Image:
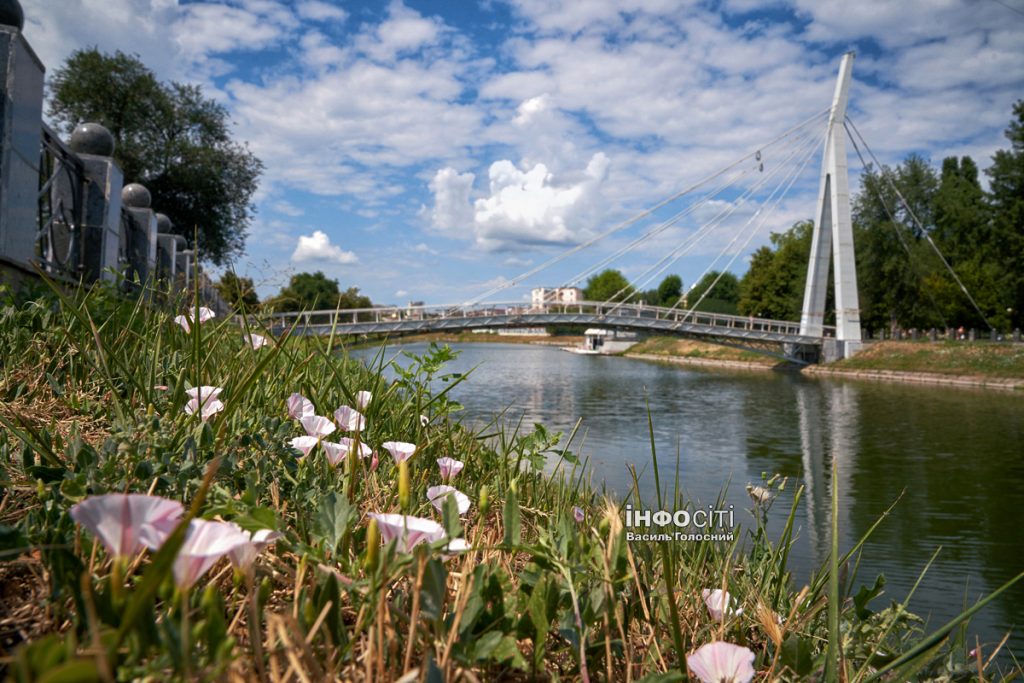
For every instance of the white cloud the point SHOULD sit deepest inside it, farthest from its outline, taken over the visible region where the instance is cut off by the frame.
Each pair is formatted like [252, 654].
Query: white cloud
[318, 247]
[523, 207]
[401, 293]
[287, 208]
[216, 28]
[317, 10]
[422, 248]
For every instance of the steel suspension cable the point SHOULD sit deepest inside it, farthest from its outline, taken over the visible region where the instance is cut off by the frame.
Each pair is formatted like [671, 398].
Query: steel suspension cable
[637, 217]
[913, 217]
[804, 147]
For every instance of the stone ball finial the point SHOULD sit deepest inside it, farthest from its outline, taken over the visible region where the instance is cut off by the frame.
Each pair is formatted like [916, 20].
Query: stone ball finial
[163, 223]
[135, 196]
[11, 14]
[91, 138]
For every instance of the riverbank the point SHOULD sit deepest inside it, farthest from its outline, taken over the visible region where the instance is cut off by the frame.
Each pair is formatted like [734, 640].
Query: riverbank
[956, 363]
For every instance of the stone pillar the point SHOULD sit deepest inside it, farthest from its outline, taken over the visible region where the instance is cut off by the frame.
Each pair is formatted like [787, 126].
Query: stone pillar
[140, 228]
[21, 119]
[972, 335]
[933, 335]
[101, 212]
[1016, 335]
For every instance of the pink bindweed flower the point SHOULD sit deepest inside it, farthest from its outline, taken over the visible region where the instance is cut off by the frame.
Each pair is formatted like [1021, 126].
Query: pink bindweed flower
[399, 450]
[304, 444]
[299, 407]
[118, 519]
[721, 662]
[204, 400]
[578, 514]
[336, 452]
[186, 320]
[256, 341]
[437, 494]
[363, 399]
[720, 604]
[374, 461]
[206, 541]
[407, 531]
[316, 425]
[349, 419]
[244, 554]
[449, 467]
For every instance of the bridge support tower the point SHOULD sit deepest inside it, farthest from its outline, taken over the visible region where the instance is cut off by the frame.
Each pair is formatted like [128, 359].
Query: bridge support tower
[833, 235]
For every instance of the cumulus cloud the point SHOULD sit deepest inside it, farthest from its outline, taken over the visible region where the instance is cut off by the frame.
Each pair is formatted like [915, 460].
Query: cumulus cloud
[523, 206]
[317, 10]
[318, 247]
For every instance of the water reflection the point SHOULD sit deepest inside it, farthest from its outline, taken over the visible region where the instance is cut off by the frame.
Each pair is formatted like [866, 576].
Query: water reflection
[954, 455]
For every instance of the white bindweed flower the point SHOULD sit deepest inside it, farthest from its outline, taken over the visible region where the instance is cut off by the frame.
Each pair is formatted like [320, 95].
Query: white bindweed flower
[399, 450]
[449, 467]
[349, 419]
[437, 494]
[245, 554]
[720, 604]
[304, 444]
[721, 662]
[203, 400]
[317, 425]
[299, 407]
[206, 542]
[407, 531]
[578, 514]
[424, 420]
[336, 452]
[118, 519]
[256, 341]
[363, 399]
[186, 320]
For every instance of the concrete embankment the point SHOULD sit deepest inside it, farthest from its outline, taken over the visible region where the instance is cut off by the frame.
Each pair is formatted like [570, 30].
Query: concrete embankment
[705, 362]
[1008, 383]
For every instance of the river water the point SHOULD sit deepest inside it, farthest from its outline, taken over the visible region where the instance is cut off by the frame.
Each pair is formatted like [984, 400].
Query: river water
[956, 456]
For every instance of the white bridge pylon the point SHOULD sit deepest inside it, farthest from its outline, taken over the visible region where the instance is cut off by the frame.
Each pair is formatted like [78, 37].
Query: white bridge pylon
[833, 233]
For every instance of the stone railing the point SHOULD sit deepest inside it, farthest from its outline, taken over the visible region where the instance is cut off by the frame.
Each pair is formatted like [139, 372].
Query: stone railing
[64, 207]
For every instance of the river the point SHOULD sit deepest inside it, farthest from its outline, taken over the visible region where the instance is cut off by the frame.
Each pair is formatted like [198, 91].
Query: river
[956, 456]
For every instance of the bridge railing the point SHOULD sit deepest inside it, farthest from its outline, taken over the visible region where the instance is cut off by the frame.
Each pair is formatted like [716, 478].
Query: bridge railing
[482, 315]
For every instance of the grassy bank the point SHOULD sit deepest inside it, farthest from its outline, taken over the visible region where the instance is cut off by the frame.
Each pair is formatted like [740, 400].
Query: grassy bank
[674, 347]
[981, 359]
[535, 580]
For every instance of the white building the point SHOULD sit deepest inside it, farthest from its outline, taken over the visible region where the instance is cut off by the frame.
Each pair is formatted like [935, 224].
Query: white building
[555, 295]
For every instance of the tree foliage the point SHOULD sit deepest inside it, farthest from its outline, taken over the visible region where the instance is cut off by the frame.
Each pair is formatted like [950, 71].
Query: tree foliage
[170, 138]
[723, 296]
[238, 292]
[608, 285]
[773, 286]
[316, 291]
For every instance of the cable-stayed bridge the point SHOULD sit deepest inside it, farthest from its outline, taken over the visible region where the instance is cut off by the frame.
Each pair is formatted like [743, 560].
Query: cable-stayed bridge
[752, 187]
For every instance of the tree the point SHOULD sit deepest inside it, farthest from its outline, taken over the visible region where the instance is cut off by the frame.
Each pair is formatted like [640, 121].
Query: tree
[608, 285]
[669, 291]
[773, 286]
[238, 292]
[722, 298]
[307, 292]
[1006, 201]
[170, 138]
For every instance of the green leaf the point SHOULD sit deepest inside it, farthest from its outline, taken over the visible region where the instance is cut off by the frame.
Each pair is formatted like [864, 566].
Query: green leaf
[864, 596]
[513, 530]
[433, 591]
[797, 654]
[77, 671]
[331, 521]
[12, 542]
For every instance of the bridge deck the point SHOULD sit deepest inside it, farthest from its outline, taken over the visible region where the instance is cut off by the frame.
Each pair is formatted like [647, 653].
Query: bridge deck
[635, 317]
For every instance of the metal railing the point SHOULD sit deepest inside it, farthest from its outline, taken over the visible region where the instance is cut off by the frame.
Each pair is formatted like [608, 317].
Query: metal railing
[59, 247]
[621, 315]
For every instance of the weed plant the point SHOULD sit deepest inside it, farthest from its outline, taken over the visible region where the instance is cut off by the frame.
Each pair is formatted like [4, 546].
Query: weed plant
[94, 389]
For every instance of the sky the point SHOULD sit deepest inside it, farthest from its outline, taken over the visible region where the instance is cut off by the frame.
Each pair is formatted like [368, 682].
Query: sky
[437, 150]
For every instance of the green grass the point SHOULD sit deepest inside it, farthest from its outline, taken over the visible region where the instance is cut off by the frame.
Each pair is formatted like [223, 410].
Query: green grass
[984, 359]
[538, 597]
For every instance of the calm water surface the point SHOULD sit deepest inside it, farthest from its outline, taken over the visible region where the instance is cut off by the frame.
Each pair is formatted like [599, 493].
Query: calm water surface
[955, 455]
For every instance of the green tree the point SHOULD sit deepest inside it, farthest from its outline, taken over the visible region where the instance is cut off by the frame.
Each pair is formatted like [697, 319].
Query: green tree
[669, 291]
[307, 292]
[170, 138]
[238, 292]
[773, 286]
[723, 298]
[608, 285]
[351, 298]
[1006, 201]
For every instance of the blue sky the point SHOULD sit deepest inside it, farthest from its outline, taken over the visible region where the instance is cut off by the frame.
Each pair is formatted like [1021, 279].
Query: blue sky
[433, 150]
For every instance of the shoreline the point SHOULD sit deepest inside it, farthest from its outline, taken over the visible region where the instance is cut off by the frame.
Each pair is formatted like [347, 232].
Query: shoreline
[975, 381]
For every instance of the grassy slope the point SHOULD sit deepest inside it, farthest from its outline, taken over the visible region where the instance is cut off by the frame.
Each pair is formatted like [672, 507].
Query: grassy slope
[688, 348]
[945, 358]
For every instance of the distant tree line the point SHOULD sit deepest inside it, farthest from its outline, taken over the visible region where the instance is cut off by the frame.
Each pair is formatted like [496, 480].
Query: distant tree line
[902, 281]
